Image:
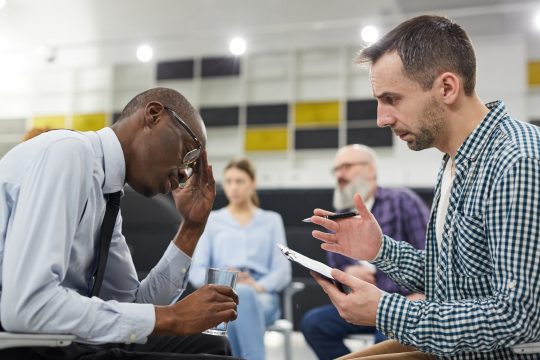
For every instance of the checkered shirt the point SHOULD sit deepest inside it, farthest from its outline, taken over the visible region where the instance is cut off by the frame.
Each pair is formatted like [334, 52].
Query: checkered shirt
[483, 285]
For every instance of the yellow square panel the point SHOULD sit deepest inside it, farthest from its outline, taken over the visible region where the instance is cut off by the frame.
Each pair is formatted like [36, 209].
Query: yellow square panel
[316, 114]
[51, 122]
[534, 73]
[266, 139]
[89, 122]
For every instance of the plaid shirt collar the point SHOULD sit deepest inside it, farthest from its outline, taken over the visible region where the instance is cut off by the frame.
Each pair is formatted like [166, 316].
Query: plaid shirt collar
[474, 144]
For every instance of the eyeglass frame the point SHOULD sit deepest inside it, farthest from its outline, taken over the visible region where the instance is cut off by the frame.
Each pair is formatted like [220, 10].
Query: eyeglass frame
[189, 163]
[347, 165]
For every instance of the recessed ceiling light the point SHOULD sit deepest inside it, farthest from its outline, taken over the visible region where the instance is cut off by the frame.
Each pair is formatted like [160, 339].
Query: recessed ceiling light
[369, 34]
[237, 46]
[145, 53]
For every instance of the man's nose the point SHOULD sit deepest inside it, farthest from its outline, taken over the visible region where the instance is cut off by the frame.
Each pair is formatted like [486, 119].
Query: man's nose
[339, 172]
[384, 116]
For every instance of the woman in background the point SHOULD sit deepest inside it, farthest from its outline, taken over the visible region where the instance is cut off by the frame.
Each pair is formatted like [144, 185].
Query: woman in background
[33, 132]
[244, 237]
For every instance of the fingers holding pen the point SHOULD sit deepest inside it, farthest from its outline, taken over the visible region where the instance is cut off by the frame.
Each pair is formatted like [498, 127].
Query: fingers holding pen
[322, 212]
[324, 222]
[324, 236]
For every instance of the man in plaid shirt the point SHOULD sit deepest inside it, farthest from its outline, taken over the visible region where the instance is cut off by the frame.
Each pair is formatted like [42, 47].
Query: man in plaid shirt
[480, 270]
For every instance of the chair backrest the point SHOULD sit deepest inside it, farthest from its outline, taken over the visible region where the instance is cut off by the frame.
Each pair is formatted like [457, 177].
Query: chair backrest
[149, 225]
[9, 340]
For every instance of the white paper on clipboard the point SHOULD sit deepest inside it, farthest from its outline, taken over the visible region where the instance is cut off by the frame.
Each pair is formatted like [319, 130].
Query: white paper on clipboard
[309, 263]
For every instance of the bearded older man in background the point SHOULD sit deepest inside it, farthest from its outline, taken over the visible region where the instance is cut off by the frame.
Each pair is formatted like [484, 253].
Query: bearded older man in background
[401, 214]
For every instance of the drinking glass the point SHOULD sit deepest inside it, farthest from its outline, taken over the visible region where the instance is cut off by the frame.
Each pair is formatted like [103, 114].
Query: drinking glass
[220, 277]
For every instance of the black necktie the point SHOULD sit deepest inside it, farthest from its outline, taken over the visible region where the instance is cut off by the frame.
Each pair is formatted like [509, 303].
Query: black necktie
[107, 227]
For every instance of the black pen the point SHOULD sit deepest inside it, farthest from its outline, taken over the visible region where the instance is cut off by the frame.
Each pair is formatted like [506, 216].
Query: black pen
[335, 216]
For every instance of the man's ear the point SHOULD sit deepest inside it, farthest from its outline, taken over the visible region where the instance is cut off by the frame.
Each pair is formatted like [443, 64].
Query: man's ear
[450, 86]
[152, 113]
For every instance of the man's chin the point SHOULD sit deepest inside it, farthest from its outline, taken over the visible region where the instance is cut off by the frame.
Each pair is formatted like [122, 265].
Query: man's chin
[414, 146]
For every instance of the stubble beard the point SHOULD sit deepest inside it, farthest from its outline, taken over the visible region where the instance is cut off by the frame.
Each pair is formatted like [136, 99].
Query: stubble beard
[431, 126]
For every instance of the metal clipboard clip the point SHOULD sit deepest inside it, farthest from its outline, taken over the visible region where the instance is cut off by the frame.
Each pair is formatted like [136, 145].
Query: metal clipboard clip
[287, 252]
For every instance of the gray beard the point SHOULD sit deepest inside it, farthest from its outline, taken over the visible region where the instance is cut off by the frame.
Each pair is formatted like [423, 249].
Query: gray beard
[343, 197]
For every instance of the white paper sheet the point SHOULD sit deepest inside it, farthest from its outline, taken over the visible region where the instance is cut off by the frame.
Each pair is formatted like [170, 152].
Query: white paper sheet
[307, 262]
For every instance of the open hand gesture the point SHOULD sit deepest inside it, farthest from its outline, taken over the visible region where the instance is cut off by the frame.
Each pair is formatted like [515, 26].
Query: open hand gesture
[358, 237]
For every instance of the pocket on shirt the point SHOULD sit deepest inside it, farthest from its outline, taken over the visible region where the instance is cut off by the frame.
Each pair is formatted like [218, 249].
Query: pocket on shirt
[471, 257]
[467, 287]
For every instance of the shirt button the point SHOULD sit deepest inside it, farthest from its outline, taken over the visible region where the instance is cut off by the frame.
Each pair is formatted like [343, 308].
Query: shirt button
[183, 271]
[512, 284]
[391, 334]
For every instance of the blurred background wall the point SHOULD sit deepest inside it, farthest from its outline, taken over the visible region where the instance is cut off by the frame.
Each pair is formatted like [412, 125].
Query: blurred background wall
[288, 102]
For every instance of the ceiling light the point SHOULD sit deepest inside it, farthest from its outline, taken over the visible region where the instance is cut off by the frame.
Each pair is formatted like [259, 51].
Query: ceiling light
[145, 53]
[237, 46]
[370, 34]
[2, 3]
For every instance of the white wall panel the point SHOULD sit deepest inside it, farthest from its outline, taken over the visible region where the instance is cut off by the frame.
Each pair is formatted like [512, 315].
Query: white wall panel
[53, 81]
[264, 66]
[220, 91]
[268, 91]
[52, 104]
[133, 76]
[91, 102]
[93, 79]
[319, 88]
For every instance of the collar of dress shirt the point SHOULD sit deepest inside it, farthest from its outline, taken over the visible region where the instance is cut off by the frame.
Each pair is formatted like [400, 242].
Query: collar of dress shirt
[113, 160]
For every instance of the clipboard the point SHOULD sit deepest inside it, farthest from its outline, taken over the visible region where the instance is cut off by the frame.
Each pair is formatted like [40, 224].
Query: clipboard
[313, 265]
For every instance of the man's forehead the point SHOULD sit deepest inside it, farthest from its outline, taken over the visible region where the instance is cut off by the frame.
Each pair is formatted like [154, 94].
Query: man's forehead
[385, 73]
[350, 155]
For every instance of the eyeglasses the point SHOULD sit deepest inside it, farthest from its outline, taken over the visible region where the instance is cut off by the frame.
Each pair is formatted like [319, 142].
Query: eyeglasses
[347, 166]
[190, 159]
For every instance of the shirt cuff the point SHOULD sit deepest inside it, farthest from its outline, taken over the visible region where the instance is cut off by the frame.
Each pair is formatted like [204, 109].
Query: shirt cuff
[138, 322]
[393, 314]
[174, 265]
[381, 250]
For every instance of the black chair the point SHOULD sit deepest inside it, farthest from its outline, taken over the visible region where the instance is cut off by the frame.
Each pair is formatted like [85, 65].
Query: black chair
[149, 225]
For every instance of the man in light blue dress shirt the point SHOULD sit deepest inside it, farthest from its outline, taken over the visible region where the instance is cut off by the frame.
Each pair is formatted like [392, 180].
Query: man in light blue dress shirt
[53, 191]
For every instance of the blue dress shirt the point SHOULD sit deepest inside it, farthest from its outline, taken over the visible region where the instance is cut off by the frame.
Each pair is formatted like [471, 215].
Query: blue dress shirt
[52, 204]
[225, 244]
